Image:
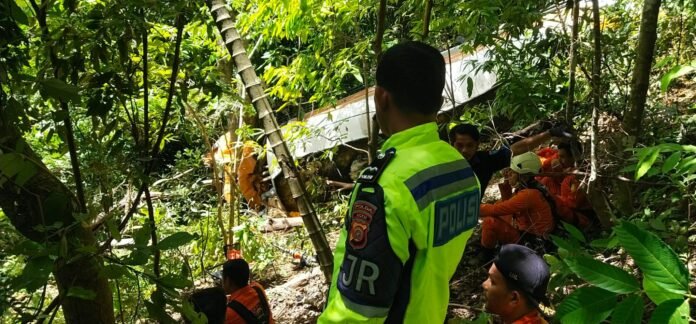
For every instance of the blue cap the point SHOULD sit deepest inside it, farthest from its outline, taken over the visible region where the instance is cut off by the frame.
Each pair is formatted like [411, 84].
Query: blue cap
[525, 271]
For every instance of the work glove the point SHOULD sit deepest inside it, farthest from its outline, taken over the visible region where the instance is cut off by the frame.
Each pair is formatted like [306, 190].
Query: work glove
[560, 131]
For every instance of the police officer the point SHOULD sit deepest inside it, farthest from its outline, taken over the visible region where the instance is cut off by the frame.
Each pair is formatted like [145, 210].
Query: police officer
[411, 211]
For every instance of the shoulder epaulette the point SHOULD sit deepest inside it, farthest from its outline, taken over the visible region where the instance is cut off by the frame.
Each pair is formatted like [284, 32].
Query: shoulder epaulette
[371, 173]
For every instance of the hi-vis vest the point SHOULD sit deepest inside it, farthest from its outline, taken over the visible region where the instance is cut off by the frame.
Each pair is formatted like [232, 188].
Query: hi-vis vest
[411, 213]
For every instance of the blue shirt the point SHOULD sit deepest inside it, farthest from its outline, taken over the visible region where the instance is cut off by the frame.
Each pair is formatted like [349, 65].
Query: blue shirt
[486, 163]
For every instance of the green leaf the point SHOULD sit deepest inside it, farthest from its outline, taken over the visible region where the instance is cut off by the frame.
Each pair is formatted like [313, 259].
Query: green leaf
[29, 248]
[657, 224]
[469, 86]
[655, 258]
[586, 305]
[357, 76]
[175, 240]
[35, 274]
[10, 164]
[17, 14]
[25, 174]
[605, 243]
[656, 293]
[60, 90]
[646, 163]
[574, 232]
[603, 275]
[564, 244]
[115, 271]
[674, 73]
[675, 311]
[139, 257]
[175, 282]
[142, 235]
[82, 293]
[629, 310]
[671, 162]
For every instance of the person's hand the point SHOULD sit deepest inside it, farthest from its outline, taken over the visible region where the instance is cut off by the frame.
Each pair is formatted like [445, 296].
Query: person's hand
[560, 131]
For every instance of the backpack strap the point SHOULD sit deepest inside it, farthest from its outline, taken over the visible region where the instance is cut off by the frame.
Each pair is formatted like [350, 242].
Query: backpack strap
[266, 315]
[533, 184]
[243, 312]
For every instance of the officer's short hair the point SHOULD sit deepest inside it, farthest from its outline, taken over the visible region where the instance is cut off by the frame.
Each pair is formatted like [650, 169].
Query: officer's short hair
[465, 129]
[414, 74]
[211, 302]
[236, 270]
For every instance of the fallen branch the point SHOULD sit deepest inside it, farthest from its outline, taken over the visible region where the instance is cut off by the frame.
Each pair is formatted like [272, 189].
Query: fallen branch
[280, 224]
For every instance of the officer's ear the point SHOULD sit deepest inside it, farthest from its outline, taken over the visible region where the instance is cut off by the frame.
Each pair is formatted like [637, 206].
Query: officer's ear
[515, 298]
[382, 98]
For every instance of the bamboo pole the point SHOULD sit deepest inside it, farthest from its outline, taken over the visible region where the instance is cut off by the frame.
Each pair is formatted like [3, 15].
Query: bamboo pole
[252, 83]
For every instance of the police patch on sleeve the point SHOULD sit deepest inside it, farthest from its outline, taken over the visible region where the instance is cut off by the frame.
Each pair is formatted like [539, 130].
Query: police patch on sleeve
[361, 218]
[368, 272]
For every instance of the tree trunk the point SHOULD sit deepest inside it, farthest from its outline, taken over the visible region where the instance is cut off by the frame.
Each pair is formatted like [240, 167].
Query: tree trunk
[44, 200]
[263, 107]
[426, 18]
[377, 48]
[641, 71]
[632, 122]
[595, 196]
[570, 105]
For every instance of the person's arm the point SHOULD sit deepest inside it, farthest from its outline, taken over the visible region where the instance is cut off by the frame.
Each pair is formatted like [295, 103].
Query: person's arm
[529, 143]
[340, 185]
[532, 142]
[518, 203]
[376, 245]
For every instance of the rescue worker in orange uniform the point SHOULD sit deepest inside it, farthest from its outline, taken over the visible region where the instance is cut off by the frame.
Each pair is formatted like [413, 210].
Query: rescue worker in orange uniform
[571, 202]
[516, 286]
[246, 302]
[249, 181]
[527, 212]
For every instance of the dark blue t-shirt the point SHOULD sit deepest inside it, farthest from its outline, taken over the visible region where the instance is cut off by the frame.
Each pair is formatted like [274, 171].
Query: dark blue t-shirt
[485, 164]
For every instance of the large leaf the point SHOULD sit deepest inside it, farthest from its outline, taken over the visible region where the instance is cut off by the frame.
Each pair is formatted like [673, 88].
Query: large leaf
[175, 240]
[629, 310]
[35, 274]
[586, 305]
[655, 258]
[603, 275]
[574, 232]
[656, 293]
[675, 311]
[60, 90]
[671, 162]
[674, 73]
[646, 163]
[571, 246]
[16, 13]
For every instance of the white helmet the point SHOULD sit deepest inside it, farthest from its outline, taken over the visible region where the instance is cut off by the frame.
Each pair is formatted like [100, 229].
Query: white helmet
[526, 163]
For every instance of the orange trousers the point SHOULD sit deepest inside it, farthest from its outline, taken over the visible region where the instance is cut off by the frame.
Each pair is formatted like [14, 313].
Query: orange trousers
[496, 230]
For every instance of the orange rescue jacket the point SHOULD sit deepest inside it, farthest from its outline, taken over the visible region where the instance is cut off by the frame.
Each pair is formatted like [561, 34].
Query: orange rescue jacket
[529, 210]
[248, 297]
